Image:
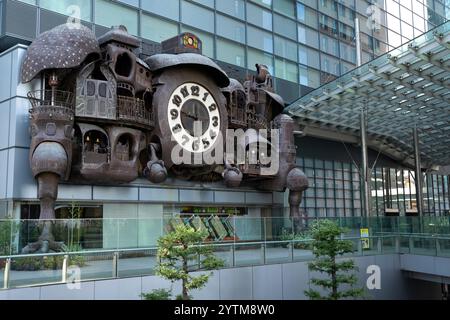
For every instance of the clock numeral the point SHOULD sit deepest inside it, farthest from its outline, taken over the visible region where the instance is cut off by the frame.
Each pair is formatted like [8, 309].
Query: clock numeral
[212, 107]
[185, 139]
[184, 91]
[196, 145]
[205, 96]
[212, 134]
[174, 113]
[206, 143]
[215, 121]
[177, 128]
[195, 91]
[177, 100]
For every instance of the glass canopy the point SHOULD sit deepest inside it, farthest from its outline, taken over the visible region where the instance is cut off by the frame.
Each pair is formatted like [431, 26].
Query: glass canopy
[407, 87]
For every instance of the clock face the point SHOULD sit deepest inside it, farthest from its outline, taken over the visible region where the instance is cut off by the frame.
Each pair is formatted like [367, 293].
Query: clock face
[194, 117]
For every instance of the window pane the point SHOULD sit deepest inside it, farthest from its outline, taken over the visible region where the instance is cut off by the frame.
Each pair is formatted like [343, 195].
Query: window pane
[306, 15]
[266, 3]
[33, 2]
[197, 17]
[309, 77]
[328, 25]
[346, 14]
[110, 14]
[208, 3]
[284, 26]
[406, 15]
[285, 48]
[256, 56]
[134, 3]
[231, 52]
[329, 7]
[346, 67]
[166, 8]
[230, 28]
[156, 29]
[62, 6]
[311, 3]
[394, 39]
[346, 32]
[207, 40]
[308, 57]
[235, 8]
[407, 31]
[329, 45]
[285, 6]
[308, 36]
[260, 39]
[286, 70]
[330, 65]
[348, 52]
[259, 17]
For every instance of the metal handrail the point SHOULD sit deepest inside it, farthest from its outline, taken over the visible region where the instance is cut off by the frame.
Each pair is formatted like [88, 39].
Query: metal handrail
[221, 244]
[263, 258]
[415, 235]
[35, 255]
[55, 98]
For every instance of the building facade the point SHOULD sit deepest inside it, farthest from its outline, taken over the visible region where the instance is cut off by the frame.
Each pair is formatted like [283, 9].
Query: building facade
[304, 44]
[307, 43]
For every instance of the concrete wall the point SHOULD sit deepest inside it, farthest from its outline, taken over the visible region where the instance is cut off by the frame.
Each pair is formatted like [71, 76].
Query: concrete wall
[15, 174]
[279, 282]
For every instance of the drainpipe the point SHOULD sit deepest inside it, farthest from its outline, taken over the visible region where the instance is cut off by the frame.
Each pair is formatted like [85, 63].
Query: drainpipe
[358, 43]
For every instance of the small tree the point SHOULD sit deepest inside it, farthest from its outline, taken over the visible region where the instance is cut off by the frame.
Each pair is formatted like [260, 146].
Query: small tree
[8, 230]
[327, 245]
[176, 249]
[75, 212]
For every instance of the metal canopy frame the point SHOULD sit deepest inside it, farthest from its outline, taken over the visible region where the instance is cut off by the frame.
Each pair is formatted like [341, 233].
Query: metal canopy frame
[407, 87]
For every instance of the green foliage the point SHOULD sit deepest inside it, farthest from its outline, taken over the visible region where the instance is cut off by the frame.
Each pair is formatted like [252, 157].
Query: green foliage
[45, 263]
[180, 297]
[69, 229]
[8, 229]
[286, 235]
[179, 247]
[158, 294]
[327, 246]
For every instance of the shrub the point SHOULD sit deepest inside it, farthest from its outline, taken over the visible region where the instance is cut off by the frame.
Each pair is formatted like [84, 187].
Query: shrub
[287, 235]
[158, 294]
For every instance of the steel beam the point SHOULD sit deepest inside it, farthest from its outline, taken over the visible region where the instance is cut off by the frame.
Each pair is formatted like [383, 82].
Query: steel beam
[365, 165]
[418, 167]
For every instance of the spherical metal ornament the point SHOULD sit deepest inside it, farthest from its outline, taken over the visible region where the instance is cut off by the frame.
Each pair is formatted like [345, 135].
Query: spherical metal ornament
[232, 177]
[155, 171]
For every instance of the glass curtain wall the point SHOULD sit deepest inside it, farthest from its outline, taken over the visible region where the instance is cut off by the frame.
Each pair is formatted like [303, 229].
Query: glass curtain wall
[335, 190]
[282, 31]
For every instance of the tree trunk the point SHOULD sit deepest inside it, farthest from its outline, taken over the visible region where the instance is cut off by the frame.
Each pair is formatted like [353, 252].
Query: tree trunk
[185, 270]
[333, 279]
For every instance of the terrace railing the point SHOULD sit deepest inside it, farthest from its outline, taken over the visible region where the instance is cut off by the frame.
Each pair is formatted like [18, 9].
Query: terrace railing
[74, 267]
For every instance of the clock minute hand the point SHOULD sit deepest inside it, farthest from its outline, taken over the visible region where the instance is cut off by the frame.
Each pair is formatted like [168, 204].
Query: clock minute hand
[190, 116]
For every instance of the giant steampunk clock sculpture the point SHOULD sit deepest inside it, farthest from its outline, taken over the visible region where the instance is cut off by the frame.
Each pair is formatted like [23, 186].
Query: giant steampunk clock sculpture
[104, 115]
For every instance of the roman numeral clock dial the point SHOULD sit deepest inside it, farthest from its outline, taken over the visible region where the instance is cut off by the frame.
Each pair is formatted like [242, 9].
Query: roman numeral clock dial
[194, 117]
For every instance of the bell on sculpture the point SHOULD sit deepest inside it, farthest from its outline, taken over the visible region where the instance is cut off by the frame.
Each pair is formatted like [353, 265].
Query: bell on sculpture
[155, 171]
[233, 177]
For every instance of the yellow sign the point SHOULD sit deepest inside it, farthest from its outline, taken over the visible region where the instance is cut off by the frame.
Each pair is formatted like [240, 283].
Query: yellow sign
[364, 233]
